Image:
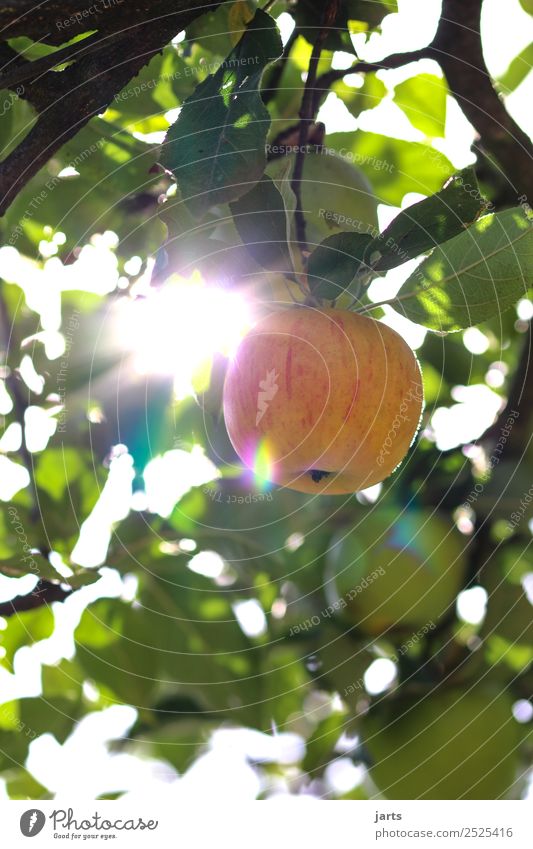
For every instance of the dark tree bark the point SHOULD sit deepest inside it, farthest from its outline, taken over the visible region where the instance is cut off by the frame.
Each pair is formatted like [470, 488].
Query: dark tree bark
[125, 41]
[458, 49]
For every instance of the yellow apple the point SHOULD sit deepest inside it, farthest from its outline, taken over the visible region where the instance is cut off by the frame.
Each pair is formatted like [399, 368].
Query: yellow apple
[322, 400]
[451, 744]
[335, 195]
[396, 569]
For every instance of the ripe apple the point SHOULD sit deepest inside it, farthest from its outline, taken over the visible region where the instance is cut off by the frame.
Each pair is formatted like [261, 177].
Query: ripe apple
[452, 744]
[335, 195]
[396, 569]
[322, 401]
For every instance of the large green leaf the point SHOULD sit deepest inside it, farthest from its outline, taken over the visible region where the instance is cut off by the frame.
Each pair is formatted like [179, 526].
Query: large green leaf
[13, 749]
[518, 69]
[393, 166]
[472, 277]
[17, 567]
[430, 222]
[334, 263]
[216, 148]
[139, 107]
[261, 221]
[357, 100]
[112, 646]
[423, 99]
[25, 629]
[56, 716]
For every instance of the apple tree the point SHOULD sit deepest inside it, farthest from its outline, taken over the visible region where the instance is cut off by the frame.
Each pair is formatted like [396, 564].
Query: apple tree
[172, 173]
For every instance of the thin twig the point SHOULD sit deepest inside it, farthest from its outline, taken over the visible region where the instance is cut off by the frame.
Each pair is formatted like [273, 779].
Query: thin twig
[307, 116]
[396, 60]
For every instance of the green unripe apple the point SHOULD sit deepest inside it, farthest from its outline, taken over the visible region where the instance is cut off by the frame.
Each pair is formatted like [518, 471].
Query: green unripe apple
[336, 195]
[453, 744]
[395, 570]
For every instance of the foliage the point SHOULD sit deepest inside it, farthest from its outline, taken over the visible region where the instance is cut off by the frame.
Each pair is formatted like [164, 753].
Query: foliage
[103, 225]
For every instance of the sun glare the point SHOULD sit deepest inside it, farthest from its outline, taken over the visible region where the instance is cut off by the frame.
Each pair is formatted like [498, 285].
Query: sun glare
[177, 329]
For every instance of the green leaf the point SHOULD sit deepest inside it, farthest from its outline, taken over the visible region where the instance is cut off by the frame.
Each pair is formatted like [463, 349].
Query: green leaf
[393, 166]
[218, 30]
[55, 716]
[34, 564]
[20, 784]
[423, 99]
[113, 648]
[357, 100]
[334, 263]
[57, 469]
[472, 277]
[322, 742]
[82, 578]
[139, 107]
[282, 181]
[518, 69]
[262, 225]
[430, 222]
[216, 148]
[13, 749]
[25, 629]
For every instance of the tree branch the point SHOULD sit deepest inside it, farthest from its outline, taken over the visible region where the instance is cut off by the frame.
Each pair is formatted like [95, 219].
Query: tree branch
[44, 593]
[457, 48]
[67, 100]
[307, 116]
[396, 60]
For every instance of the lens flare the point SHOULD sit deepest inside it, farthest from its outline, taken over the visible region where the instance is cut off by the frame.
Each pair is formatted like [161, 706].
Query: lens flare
[263, 466]
[177, 329]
